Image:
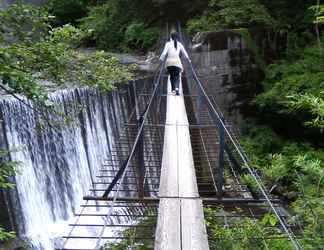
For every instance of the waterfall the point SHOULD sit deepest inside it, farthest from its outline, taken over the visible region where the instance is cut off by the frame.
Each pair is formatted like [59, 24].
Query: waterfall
[58, 163]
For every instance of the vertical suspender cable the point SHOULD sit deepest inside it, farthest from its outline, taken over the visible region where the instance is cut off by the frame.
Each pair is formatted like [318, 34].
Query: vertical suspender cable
[256, 178]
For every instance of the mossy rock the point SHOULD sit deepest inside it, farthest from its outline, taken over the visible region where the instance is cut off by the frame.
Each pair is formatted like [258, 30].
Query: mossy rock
[16, 244]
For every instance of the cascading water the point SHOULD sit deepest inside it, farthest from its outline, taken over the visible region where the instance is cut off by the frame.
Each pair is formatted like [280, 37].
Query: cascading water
[58, 164]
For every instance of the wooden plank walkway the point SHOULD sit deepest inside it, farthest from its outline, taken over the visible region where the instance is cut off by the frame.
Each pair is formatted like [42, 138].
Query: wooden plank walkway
[181, 219]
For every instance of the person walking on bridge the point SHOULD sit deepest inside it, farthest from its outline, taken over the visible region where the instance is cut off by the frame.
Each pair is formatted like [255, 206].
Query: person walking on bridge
[172, 50]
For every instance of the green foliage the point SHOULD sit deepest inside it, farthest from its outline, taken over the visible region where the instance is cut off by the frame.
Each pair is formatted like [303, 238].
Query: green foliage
[5, 236]
[245, 34]
[23, 23]
[111, 28]
[243, 233]
[318, 13]
[241, 14]
[16, 77]
[309, 210]
[259, 142]
[105, 24]
[289, 16]
[69, 11]
[7, 169]
[279, 160]
[249, 181]
[290, 166]
[31, 51]
[309, 103]
[137, 35]
[294, 171]
[284, 168]
[269, 219]
[300, 178]
[295, 88]
[43, 53]
[223, 14]
[199, 24]
[100, 70]
[133, 237]
[67, 34]
[288, 21]
[309, 205]
[310, 176]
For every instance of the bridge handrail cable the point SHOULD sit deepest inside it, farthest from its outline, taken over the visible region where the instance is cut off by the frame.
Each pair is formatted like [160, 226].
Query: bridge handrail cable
[241, 153]
[245, 160]
[122, 171]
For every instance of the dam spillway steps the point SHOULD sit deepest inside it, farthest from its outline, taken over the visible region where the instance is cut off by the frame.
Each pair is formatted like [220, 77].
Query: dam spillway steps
[64, 163]
[162, 205]
[105, 221]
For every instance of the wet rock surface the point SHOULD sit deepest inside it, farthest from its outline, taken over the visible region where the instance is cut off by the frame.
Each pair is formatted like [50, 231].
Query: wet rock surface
[15, 244]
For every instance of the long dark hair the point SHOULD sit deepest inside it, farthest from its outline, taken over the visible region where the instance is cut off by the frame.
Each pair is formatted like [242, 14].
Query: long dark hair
[175, 38]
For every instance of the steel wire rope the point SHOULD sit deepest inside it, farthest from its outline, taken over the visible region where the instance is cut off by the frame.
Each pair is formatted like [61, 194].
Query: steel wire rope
[157, 76]
[214, 102]
[55, 133]
[145, 115]
[256, 178]
[237, 146]
[259, 228]
[76, 221]
[145, 85]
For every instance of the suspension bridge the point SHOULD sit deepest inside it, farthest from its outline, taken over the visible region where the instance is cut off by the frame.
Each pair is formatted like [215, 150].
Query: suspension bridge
[176, 157]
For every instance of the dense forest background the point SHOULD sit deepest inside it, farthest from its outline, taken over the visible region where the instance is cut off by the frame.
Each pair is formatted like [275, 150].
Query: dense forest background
[283, 135]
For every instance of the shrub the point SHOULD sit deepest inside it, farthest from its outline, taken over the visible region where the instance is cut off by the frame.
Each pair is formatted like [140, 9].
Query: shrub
[68, 11]
[222, 14]
[7, 169]
[138, 36]
[295, 88]
[111, 28]
[44, 53]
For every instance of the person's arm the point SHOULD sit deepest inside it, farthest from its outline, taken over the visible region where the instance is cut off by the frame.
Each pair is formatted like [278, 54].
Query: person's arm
[165, 52]
[183, 50]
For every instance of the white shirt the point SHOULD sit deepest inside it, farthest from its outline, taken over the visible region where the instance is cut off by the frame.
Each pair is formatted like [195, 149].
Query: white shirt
[173, 54]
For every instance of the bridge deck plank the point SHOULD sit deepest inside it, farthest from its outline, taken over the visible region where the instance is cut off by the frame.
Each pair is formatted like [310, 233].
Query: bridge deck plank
[181, 220]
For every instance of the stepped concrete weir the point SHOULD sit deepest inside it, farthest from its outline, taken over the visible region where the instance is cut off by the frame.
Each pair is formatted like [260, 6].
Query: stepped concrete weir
[152, 160]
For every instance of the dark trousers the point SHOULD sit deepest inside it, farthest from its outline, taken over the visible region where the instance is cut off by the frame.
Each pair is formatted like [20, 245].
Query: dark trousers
[174, 72]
